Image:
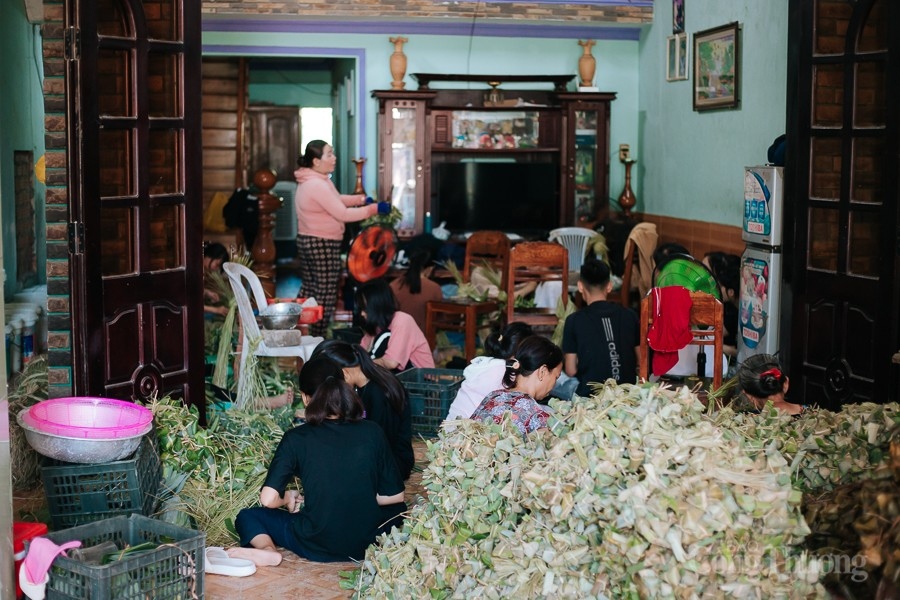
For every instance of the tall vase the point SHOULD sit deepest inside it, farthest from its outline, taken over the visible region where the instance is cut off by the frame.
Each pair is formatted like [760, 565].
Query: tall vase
[398, 63]
[359, 162]
[587, 64]
[627, 200]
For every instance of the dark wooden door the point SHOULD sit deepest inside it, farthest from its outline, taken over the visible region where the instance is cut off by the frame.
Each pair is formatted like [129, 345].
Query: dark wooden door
[842, 169]
[274, 140]
[133, 91]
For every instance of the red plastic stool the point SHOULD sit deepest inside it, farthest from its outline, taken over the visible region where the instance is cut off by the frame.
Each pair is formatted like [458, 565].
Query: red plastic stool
[23, 532]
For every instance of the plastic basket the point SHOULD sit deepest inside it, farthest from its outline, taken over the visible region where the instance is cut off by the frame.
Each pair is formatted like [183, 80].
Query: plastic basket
[174, 570]
[430, 393]
[78, 494]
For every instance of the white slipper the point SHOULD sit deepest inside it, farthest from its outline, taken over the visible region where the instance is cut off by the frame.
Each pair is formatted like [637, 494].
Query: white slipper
[219, 563]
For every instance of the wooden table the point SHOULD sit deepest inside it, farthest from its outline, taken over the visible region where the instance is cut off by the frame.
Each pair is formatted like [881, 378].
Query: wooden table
[447, 314]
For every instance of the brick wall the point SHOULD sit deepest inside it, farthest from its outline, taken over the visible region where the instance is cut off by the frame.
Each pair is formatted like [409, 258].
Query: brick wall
[26, 261]
[58, 303]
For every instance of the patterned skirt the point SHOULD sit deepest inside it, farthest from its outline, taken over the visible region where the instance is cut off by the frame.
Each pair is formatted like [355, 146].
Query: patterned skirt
[320, 275]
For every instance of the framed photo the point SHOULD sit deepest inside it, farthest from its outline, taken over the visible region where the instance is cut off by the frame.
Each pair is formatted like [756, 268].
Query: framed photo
[717, 68]
[676, 57]
[677, 16]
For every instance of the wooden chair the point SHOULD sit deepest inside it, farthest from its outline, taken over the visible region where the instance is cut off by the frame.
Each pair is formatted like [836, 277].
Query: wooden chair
[706, 326]
[492, 248]
[536, 262]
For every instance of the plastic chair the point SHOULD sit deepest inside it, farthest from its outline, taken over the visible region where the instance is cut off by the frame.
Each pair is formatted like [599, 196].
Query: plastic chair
[535, 263]
[491, 247]
[575, 239]
[707, 328]
[264, 342]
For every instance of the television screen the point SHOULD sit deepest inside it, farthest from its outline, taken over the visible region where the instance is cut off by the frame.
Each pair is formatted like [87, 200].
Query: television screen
[507, 196]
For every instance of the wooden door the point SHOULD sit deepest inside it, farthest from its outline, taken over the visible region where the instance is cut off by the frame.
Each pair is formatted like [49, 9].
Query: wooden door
[841, 174]
[274, 140]
[133, 105]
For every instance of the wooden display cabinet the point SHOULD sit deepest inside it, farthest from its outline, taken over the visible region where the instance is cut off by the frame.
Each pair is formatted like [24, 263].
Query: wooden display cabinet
[423, 129]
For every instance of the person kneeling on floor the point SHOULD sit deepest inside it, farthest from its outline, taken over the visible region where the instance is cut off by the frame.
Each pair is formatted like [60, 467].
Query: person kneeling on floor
[353, 490]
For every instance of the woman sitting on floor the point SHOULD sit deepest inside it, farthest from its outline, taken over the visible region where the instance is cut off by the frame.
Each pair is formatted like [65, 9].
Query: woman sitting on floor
[530, 376]
[353, 491]
[383, 396]
[392, 337]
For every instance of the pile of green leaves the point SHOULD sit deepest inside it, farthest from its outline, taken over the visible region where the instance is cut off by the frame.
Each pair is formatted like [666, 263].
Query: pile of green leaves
[634, 492]
[825, 449]
[211, 473]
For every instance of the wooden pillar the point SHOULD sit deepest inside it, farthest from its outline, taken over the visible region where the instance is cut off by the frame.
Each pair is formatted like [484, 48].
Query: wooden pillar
[263, 252]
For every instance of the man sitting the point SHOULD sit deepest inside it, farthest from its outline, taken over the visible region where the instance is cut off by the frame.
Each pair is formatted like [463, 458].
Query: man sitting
[601, 340]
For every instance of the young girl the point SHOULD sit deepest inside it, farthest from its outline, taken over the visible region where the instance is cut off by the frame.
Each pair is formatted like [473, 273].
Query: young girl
[383, 396]
[352, 489]
[392, 337]
[530, 375]
[762, 381]
[485, 373]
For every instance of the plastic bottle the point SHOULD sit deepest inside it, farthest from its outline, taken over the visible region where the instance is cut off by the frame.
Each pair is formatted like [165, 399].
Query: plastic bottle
[427, 225]
[28, 339]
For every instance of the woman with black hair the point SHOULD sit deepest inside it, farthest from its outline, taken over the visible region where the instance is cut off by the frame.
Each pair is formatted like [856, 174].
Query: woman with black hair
[353, 491]
[321, 214]
[485, 373]
[530, 376]
[384, 398]
[762, 380]
[392, 337]
[415, 290]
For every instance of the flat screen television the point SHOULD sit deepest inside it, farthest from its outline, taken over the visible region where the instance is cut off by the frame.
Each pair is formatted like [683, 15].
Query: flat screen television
[507, 196]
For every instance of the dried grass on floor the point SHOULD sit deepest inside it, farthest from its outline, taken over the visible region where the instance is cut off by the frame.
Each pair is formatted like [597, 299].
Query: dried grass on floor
[29, 388]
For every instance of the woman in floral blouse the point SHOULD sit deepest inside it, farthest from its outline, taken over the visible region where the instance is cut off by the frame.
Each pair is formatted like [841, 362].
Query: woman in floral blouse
[530, 376]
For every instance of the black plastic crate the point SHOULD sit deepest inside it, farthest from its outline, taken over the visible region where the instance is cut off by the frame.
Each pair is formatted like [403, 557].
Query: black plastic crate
[78, 494]
[431, 391]
[173, 570]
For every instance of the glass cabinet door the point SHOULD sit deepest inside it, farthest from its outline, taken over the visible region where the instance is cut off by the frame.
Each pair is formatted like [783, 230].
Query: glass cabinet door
[402, 166]
[404, 180]
[586, 164]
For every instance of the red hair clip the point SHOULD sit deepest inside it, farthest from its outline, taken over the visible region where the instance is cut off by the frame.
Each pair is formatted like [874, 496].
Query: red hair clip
[774, 371]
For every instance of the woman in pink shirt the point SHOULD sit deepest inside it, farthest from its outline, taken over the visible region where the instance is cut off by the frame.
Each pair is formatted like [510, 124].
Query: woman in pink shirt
[392, 337]
[321, 214]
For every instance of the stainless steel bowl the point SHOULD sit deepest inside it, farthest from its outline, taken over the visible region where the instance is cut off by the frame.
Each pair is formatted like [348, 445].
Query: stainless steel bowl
[281, 315]
[79, 450]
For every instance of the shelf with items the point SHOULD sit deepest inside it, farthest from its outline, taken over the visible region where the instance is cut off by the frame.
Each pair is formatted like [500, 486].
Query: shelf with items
[567, 132]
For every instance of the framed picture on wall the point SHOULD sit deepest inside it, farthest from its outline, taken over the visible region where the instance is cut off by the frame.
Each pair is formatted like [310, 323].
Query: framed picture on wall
[717, 68]
[677, 16]
[676, 57]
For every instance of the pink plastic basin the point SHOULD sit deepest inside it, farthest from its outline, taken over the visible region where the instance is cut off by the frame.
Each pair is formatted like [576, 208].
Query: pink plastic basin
[89, 418]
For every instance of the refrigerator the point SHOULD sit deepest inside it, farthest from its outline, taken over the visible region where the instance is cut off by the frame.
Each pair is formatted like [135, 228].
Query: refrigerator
[761, 262]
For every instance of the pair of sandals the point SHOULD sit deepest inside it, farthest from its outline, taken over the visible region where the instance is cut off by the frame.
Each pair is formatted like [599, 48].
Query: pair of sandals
[219, 563]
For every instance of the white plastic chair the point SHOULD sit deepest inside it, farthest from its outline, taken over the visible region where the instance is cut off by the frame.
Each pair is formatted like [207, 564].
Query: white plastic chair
[575, 239]
[264, 342]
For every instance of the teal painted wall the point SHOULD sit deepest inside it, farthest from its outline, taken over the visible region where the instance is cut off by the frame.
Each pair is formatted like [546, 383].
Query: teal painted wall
[617, 71]
[21, 129]
[691, 163]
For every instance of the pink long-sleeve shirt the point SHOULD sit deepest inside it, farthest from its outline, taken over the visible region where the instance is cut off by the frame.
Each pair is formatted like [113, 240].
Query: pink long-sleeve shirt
[321, 210]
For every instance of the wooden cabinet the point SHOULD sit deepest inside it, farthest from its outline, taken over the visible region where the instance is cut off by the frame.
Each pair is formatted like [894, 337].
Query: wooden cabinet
[562, 133]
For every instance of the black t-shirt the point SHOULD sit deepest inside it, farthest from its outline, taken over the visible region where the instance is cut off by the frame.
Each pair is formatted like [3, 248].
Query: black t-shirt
[342, 466]
[397, 426]
[603, 335]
